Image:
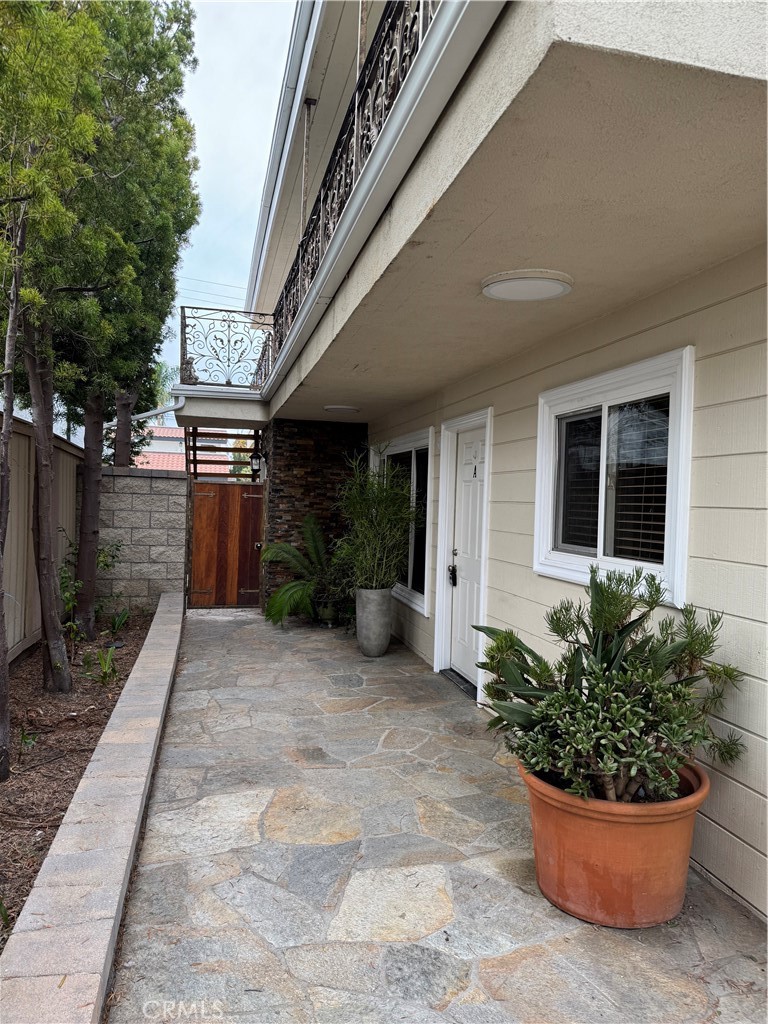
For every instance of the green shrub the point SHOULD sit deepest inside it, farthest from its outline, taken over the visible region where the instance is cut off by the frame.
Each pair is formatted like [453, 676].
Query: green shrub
[626, 705]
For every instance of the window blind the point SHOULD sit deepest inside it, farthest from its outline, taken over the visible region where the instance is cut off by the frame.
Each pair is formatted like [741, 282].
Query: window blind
[419, 558]
[416, 463]
[636, 479]
[578, 484]
[405, 461]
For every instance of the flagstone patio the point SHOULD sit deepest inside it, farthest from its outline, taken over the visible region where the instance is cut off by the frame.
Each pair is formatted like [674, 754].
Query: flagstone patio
[333, 839]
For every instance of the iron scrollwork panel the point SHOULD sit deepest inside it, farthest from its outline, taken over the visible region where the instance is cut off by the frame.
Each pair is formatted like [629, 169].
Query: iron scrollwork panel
[394, 47]
[339, 179]
[222, 346]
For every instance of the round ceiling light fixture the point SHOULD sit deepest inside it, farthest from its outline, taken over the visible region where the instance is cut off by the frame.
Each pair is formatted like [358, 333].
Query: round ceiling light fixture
[527, 285]
[340, 408]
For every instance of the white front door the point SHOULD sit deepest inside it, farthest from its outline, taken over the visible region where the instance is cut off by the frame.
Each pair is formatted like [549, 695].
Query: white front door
[467, 551]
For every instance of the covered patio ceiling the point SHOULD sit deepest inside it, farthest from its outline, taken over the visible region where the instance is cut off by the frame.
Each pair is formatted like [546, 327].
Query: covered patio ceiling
[628, 174]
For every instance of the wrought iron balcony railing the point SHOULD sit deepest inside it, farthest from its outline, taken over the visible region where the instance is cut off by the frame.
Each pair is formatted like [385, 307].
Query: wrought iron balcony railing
[396, 42]
[222, 346]
[240, 349]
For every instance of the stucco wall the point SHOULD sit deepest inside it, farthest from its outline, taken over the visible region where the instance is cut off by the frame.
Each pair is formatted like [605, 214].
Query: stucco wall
[145, 510]
[722, 312]
[723, 35]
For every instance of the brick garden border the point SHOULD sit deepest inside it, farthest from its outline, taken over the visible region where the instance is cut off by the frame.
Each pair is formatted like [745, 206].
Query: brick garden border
[56, 964]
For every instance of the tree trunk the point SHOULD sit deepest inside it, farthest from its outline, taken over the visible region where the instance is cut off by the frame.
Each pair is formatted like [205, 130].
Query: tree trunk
[14, 307]
[125, 401]
[40, 376]
[48, 683]
[88, 542]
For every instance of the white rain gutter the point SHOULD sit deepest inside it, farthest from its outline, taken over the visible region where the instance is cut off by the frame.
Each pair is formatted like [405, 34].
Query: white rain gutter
[178, 404]
[454, 37]
[301, 50]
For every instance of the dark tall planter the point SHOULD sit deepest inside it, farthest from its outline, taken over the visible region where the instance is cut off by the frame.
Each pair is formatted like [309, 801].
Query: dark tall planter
[374, 621]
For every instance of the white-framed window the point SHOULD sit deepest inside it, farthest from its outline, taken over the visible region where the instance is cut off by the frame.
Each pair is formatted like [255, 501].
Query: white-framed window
[613, 467]
[414, 453]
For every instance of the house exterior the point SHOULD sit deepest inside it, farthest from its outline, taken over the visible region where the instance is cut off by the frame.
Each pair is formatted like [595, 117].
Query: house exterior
[611, 156]
[164, 451]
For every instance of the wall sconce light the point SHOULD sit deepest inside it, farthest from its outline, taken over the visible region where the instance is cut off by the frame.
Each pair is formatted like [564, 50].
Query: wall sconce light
[258, 462]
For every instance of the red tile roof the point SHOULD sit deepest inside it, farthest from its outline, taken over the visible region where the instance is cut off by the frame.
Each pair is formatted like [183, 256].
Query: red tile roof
[167, 431]
[161, 460]
[175, 460]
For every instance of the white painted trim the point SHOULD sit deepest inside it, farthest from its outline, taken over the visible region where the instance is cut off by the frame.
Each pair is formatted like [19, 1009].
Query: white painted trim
[455, 35]
[417, 439]
[673, 372]
[187, 391]
[410, 598]
[301, 48]
[446, 507]
[449, 432]
[408, 442]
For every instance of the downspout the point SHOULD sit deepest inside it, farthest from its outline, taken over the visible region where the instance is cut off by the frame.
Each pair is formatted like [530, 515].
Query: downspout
[175, 407]
[308, 104]
[362, 35]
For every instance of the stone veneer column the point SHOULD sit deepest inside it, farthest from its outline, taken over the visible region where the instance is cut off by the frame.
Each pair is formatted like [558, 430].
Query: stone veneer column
[307, 460]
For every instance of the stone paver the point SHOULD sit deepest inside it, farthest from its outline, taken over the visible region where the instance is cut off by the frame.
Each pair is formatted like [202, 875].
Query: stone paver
[333, 840]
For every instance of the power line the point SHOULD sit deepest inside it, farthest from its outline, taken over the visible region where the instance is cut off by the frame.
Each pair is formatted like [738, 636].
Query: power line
[191, 292]
[202, 280]
[202, 291]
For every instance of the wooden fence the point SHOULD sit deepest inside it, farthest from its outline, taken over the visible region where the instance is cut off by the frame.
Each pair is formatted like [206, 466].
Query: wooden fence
[22, 605]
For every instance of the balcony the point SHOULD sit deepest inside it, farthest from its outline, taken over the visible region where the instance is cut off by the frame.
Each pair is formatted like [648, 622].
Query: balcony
[222, 347]
[238, 349]
[393, 48]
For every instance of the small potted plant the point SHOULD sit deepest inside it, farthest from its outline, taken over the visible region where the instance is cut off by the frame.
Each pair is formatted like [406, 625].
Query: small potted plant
[375, 502]
[605, 738]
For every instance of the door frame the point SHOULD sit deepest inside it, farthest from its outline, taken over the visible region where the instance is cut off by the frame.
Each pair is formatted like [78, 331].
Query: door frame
[446, 511]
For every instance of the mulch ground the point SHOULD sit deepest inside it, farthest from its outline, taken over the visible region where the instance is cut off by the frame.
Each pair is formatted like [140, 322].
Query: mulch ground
[54, 735]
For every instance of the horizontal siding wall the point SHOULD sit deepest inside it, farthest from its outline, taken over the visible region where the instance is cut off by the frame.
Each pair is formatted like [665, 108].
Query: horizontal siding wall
[22, 604]
[722, 312]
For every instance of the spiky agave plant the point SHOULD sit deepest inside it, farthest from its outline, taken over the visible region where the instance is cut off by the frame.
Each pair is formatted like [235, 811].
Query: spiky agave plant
[312, 568]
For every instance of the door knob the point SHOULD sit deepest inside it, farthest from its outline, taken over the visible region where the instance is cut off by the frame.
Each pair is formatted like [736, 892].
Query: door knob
[257, 546]
[452, 575]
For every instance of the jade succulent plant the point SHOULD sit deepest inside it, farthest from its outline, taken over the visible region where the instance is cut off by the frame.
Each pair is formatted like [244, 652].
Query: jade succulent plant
[627, 703]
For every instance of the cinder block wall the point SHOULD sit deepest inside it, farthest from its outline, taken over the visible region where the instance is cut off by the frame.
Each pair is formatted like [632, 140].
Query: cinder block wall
[145, 510]
[307, 460]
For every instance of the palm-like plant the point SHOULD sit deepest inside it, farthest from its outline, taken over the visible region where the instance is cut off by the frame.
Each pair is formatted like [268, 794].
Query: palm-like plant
[312, 568]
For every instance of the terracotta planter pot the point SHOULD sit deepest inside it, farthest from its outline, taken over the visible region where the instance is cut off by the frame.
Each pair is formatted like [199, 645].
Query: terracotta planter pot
[621, 865]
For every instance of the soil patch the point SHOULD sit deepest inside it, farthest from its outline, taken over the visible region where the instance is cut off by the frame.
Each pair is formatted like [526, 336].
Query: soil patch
[54, 736]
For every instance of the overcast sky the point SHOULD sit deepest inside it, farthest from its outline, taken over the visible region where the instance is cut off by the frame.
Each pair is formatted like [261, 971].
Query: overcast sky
[232, 101]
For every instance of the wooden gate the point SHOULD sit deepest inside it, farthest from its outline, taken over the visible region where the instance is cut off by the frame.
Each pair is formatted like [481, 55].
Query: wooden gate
[225, 544]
